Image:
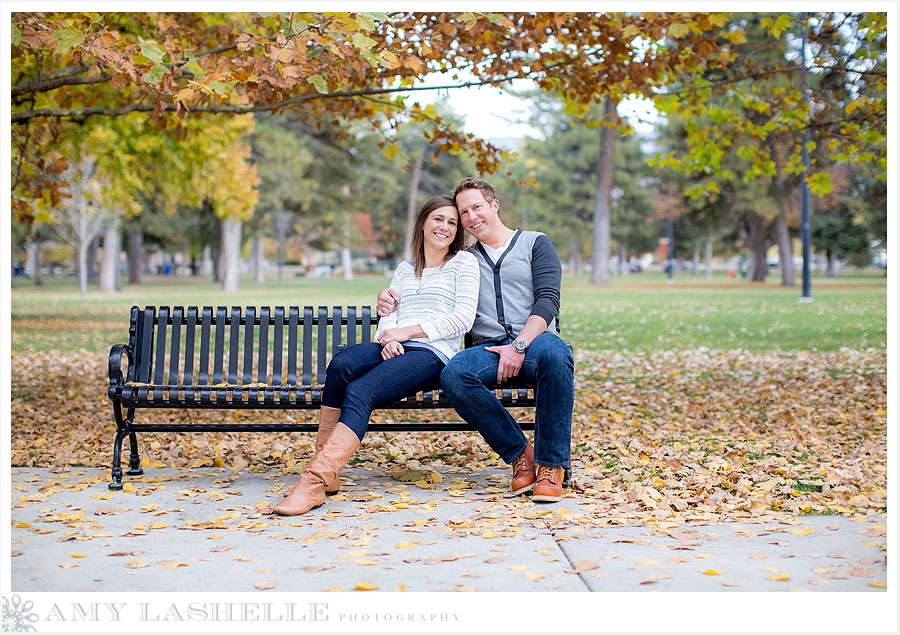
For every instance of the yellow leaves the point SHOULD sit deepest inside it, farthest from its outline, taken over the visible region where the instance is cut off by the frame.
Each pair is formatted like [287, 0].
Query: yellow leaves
[21, 525]
[878, 585]
[711, 572]
[802, 532]
[172, 564]
[68, 565]
[404, 545]
[630, 32]
[518, 567]
[736, 37]
[265, 585]
[137, 564]
[364, 586]
[489, 534]
[778, 577]
[678, 31]
[79, 555]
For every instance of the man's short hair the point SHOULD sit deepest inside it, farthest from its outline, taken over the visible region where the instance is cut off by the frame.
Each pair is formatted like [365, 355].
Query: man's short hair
[471, 183]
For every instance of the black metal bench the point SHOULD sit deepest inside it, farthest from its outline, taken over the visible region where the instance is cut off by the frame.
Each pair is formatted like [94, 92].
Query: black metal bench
[276, 359]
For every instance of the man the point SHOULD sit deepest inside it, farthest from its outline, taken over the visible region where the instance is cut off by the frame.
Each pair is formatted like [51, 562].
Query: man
[514, 335]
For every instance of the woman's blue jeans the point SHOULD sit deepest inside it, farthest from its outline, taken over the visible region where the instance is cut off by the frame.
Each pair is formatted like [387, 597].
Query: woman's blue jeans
[469, 381]
[357, 380]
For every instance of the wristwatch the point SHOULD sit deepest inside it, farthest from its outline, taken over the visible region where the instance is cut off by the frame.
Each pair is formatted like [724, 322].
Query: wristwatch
[520, 346]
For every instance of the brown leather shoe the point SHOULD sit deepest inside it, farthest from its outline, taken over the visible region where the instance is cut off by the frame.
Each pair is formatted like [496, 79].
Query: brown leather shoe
[523, 471]
[548, 486]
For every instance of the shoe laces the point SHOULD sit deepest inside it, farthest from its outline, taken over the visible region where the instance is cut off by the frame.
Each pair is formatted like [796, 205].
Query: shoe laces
[518, 464]
[547, 473]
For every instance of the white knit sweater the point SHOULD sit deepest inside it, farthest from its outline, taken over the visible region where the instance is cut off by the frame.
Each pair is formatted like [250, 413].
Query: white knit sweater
[442, 302]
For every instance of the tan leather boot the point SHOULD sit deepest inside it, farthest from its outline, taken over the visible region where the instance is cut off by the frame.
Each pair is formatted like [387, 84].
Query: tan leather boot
[309, 490]
[523, 471]
[328, 418]
[548, 486]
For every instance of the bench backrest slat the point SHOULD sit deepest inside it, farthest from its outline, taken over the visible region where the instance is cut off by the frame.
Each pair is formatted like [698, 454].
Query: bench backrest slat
[220, 345]
[335, 330]
[322, 344]
[249, 322]
[205, 322]
[234, 340]
[161, 324]
[177, 320]
[278, 346]
[307, 345]
[144, 345]
[189, 330]
[367, 324]
[262, 369]
[293, 320]
[351, 325]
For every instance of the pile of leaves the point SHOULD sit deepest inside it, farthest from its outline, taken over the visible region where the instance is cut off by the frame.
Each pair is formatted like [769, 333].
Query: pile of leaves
[676, 435]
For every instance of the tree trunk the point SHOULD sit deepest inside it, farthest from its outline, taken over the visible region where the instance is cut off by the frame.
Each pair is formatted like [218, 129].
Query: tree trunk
[109, 270]
[82, 267]
[709, 256]
[785, 251]
[39, 264]
[135, 255]
[347, 263]
[695, 270]
[256, 260]
[576, 262]
[230, 254]
[829, 268]
[412, 207]
[93, 274]
[757, 239]
[206, 265]
[600, 243]
[217, 263]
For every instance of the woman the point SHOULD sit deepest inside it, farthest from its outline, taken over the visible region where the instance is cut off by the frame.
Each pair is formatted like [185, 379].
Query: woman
[438, 296]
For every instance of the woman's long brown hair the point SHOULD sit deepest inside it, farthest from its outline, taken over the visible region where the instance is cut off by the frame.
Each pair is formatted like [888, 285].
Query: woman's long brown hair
[417, 244]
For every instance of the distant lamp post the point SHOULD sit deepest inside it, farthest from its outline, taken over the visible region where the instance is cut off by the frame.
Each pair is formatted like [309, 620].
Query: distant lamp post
[805, 223]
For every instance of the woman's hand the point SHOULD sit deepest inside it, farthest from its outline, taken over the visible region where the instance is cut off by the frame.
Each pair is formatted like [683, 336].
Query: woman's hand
[391, 349]
[396, 335]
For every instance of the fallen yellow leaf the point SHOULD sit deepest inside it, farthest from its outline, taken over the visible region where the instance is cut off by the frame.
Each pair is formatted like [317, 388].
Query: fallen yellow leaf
[878, 585]
[712, 572]
[79, 555]
[802, 532]
[518, 567]
[404, 545]
[68, 565]
[366, 586]
[137, 564]
[265, 585]
[778, 577]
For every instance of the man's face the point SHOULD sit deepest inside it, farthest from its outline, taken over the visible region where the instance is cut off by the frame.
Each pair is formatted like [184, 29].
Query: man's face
[478, 217]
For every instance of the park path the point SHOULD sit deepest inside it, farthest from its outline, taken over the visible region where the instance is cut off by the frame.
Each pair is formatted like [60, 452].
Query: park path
[184, 529]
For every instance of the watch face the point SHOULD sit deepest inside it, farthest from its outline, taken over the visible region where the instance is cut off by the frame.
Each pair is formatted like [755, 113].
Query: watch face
[520, 346]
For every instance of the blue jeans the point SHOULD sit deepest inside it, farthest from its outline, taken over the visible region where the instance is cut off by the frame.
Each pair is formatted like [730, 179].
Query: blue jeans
[469, 380]
[357, 380]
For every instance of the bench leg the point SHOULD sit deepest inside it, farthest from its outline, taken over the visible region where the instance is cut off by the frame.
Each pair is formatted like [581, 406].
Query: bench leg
[134, 460]
[116, 484]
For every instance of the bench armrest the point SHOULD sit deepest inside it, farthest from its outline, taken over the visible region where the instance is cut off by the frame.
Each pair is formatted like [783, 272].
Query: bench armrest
[116, 378]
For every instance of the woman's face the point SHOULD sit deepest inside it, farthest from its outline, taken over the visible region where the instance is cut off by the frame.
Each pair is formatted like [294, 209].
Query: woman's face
[440, 228]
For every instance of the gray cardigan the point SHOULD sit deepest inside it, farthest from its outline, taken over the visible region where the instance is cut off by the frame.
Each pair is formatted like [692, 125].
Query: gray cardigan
[524, 281]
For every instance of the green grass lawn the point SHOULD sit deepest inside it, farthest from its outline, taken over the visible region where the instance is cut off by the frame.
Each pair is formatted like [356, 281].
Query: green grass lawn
[637, 312]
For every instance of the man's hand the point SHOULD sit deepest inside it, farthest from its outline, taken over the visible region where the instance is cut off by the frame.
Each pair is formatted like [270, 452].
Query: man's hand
[388, 300]
[510, 361]
[391, 349]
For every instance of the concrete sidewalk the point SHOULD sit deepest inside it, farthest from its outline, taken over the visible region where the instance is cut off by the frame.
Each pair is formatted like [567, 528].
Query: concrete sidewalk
[202, 529]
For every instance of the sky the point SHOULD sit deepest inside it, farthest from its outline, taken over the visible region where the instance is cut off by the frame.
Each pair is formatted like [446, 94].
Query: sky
[489, 112]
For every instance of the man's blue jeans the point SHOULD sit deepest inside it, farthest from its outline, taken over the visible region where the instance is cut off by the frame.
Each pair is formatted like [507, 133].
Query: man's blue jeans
[469, 380]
